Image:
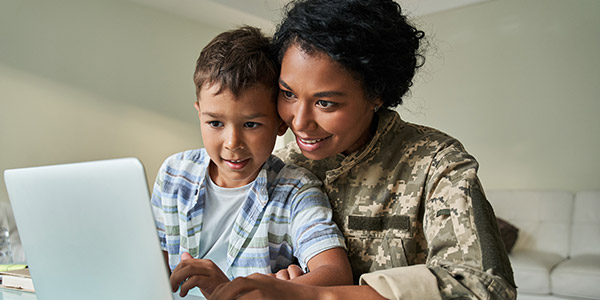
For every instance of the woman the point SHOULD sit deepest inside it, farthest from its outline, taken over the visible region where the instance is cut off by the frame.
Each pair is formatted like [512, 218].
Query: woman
[406, 197]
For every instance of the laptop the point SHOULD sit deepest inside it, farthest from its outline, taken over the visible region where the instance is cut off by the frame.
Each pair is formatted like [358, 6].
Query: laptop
[88, 232]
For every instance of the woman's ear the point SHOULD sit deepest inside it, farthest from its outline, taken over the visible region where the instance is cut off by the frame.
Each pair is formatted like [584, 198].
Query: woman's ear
[377, 104]
[282, 128]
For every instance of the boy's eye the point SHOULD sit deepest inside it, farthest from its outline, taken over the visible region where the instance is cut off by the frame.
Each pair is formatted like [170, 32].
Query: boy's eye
[325, 104]
[215, 124]
[251, 124]
[288, 94]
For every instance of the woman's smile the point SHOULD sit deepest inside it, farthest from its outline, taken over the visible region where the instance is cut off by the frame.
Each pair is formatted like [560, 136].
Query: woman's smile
[310, 144]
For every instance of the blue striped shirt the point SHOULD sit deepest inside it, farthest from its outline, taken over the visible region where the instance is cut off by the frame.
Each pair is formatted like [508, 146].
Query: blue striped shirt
[286, 215]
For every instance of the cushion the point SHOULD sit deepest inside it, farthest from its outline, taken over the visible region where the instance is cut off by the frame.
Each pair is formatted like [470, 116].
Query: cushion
[543, 217]
[578, 277]
[532, 270]
[585, 231]
[508, 233]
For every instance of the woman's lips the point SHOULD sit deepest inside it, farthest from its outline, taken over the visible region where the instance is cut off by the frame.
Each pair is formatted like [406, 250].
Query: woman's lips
[310, 144]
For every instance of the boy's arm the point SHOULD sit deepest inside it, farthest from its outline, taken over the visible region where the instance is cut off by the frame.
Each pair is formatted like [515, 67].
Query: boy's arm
[201, 273]
[330, 267]
[318, 243]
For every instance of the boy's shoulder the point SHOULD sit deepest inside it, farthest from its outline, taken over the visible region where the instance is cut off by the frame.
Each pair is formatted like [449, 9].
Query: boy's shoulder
[189, 161]
[194, 155]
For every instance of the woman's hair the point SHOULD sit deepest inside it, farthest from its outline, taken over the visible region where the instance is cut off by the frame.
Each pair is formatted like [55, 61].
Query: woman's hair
[369, 38]
[236, 60]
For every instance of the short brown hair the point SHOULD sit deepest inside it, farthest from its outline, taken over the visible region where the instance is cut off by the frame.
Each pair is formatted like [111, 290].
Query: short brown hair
[236, 60]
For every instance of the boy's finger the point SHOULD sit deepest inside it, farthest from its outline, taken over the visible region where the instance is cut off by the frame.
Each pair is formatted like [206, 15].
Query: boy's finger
[186, 256]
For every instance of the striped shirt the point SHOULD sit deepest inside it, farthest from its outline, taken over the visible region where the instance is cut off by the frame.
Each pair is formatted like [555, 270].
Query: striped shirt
[285, 216]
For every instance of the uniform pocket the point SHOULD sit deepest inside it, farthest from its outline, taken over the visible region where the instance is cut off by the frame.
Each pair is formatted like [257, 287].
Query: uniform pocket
[401, 250]
[377, 250]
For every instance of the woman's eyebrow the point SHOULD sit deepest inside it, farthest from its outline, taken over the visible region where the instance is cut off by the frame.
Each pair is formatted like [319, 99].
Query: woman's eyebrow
[285, 84]
[318, 94]
[328, 94]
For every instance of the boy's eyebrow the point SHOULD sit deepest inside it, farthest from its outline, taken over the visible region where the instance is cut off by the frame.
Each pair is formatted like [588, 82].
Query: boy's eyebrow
[220, 116]
[319, 94]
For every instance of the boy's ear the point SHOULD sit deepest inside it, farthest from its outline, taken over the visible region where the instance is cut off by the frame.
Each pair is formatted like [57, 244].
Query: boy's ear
[282, 129]
[197, 106]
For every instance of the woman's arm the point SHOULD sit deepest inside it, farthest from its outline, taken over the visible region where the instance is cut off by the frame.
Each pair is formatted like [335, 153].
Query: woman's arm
[466, 254]
[260, 286]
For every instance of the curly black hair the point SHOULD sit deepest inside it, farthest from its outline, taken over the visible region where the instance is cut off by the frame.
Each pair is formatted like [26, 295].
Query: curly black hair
[371, 39]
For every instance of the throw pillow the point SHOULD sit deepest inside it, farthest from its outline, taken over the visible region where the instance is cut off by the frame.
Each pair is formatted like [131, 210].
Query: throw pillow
[508, 233]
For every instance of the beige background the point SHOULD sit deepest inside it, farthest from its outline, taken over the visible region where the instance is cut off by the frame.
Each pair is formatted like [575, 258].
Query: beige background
[515, 80]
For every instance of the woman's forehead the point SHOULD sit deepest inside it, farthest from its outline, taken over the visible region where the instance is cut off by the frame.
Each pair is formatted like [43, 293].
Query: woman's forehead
[316, 72]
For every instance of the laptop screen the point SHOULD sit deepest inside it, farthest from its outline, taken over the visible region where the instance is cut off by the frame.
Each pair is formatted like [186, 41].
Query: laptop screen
[88, 232]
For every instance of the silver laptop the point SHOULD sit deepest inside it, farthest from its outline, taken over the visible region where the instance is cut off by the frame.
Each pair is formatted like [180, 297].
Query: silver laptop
[88, 232]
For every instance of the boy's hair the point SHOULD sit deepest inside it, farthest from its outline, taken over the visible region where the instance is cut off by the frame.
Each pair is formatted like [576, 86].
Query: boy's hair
[371, 39]
[236, 60]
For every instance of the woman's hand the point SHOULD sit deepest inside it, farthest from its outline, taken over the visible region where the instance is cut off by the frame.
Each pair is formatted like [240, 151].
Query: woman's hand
[267, 287]
[291, 272]
[202, 273]
[260, 286]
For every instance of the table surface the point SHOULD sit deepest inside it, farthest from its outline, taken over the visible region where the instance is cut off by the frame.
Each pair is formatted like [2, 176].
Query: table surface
[8, 294]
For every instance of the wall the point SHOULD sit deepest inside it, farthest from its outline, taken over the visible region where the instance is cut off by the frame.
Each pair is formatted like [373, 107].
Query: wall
[517, 81]
[89, 80]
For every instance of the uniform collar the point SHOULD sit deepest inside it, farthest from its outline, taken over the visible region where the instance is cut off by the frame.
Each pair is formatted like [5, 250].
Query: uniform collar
[387, 119]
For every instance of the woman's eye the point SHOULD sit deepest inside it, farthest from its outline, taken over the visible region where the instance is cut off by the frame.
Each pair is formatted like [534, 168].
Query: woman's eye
[288, 94]
[325, 104]
[215, 124]
[251, 124]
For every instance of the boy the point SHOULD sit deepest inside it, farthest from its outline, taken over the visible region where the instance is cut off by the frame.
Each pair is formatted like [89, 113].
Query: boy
[232, 209]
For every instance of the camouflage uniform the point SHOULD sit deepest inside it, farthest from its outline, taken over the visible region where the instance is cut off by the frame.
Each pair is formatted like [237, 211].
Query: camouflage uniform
[411, 197]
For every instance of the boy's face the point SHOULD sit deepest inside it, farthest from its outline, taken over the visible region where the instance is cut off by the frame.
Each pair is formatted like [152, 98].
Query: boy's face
[238, 134]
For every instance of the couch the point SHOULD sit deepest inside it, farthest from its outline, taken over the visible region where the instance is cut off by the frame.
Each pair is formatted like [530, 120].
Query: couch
[557, 252]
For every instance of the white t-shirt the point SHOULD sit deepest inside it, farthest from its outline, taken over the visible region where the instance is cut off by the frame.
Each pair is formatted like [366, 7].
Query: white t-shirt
[221, 208]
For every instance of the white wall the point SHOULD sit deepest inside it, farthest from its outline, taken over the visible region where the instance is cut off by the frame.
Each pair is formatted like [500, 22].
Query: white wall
[518, 82]
[89, 80]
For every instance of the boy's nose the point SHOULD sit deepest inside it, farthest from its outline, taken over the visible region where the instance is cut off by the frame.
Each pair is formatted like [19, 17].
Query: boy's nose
[234, 141]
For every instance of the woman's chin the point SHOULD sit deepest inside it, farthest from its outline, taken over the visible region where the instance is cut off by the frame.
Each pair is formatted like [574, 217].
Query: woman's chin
[312, 153]
[315, 155]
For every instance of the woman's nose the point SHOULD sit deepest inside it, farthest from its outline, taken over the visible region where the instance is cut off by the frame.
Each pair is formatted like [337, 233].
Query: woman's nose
[303, 118]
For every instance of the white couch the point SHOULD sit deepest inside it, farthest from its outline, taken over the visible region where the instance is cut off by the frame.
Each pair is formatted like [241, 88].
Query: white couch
[557, 253]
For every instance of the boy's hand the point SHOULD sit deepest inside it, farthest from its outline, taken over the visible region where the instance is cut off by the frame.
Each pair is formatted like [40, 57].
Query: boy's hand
[291, 272]
[202, 273]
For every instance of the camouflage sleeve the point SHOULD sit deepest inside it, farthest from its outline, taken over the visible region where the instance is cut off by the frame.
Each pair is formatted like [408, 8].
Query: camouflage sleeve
[466, 258]
[411, 282]
[466, 254]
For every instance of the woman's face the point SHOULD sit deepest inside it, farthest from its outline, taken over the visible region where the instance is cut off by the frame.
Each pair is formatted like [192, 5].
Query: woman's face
[326, 108]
